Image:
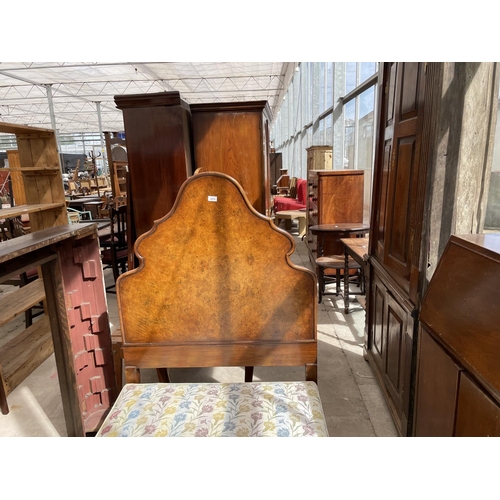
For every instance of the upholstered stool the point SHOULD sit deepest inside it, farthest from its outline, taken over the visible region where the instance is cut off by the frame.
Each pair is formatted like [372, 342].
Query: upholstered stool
[336, 262]
[249, 409]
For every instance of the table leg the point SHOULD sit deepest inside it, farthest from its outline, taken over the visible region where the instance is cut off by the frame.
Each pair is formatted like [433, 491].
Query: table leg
[302, 226]
[346, 282]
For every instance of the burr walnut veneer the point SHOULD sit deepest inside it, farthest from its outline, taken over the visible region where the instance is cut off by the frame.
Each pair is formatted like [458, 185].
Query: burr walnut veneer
[205, 291]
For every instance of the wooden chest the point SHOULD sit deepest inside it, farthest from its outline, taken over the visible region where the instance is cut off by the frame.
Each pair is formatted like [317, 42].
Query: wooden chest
[319, 158]
[333, 196]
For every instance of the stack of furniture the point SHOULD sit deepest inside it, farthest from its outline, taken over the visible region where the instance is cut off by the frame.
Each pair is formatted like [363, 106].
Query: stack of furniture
[167, 140]
[204, 299]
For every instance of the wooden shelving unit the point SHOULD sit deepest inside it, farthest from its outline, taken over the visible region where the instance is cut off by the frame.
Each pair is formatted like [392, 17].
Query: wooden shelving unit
[41, 173]
[37, 173]
[120, 169]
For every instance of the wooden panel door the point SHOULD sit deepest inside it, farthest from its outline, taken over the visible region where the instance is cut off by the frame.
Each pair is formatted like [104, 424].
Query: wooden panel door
[397, 210]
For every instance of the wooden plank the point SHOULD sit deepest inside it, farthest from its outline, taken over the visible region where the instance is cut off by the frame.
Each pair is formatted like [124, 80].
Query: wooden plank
[28, 243]
[17, 178]
[33, 169]
[12, 128]
[26, 352]
[229, 354]
[15, 303]
[5, 213]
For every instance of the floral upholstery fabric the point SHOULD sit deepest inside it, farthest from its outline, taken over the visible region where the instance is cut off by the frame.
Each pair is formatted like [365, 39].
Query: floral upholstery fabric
[277, 409]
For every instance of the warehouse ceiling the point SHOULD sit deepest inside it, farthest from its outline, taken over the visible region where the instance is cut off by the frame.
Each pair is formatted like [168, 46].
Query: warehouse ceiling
[76, 88]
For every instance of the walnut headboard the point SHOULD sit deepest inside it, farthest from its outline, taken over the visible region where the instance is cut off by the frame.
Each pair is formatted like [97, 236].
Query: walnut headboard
[215, 287]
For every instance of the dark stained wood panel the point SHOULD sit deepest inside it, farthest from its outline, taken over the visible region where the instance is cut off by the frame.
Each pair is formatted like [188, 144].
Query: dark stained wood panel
[396, 328]
[399, 205]
[383, 190]
[378, 324]
[461, 306]
[437, 388]
[409, 95]
[477, 414]
[391, 94]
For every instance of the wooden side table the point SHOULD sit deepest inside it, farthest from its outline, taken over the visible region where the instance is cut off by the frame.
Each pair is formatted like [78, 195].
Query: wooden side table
[288, 216]
[357, 249]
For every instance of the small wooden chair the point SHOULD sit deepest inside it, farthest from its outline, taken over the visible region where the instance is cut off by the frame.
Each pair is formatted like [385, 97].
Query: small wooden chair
[115, 252]
[337, 263]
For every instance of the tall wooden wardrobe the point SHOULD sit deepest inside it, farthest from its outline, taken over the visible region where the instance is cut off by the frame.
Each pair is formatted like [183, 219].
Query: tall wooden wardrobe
[157, 134]
[433, 152]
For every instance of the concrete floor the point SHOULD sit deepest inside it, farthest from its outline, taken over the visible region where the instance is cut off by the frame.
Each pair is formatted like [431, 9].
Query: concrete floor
[352, 401]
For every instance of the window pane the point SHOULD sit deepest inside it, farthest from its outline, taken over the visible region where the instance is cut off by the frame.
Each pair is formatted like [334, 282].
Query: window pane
[321, 89]
[365, 129]
[349, 126]
[366, 70]
[328, 132]
[329, 85]
[350, 76]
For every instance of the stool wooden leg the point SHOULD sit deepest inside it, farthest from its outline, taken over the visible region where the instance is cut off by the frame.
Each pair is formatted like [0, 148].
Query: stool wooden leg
[248, 373]
[321, 284]
[312, 372]
[162, 374]
[337, 282]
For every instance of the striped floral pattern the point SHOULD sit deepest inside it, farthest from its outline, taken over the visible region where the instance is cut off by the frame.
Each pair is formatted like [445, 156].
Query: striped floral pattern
[279, 409]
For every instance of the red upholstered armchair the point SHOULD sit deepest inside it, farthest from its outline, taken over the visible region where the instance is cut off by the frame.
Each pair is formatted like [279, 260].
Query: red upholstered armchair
[283, 203]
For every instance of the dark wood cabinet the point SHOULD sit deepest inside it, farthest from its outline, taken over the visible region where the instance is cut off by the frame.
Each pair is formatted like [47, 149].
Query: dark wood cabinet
[458, 385]
[233, 138]
[395, 236]
[424, 118]
[391, 343]
[157, 133]
[333, 196]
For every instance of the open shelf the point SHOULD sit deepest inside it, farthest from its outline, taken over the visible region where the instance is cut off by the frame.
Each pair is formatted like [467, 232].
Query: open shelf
[25, 352]
[20, 300]
[5, 213]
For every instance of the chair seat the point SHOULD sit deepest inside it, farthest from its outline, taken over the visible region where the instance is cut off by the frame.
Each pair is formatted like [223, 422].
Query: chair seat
[336, 262]
[251, 409]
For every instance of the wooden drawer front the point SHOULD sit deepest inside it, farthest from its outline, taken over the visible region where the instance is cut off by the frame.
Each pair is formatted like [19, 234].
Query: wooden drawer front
[477, 414]
[437, 389]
